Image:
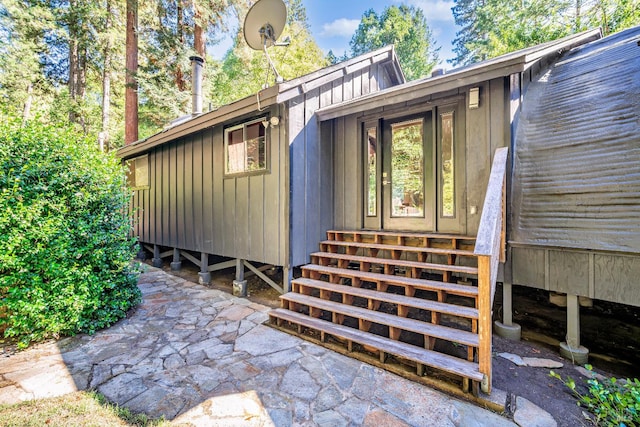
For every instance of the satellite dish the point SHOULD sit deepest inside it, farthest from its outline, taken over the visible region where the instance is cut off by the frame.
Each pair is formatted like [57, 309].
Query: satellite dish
[263, 25]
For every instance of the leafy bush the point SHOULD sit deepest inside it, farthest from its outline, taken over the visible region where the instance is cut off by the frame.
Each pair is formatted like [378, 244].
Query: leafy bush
[613, 402]
[64, 248]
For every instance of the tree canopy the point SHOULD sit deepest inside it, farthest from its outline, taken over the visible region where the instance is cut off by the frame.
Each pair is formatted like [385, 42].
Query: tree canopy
[404, 26]
[64, 60]
[493, 27]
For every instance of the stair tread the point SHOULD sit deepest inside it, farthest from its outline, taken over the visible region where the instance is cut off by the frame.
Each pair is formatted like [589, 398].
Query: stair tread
[382, 246]
[432, 285]
[427, 357]
[399, 262]
[413, 325]
[440, 307]
[405, 234]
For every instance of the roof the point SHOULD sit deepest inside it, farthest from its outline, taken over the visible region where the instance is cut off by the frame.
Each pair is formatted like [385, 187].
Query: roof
[500, 66]
[279, 93]
[576, 181]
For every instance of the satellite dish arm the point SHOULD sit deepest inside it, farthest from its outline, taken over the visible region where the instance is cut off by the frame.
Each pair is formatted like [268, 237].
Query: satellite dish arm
[279, 78]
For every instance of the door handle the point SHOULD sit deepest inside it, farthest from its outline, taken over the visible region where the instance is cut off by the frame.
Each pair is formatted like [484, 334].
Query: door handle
[385, 182]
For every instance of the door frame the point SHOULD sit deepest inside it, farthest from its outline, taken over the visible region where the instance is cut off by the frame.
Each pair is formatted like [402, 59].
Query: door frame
[434, 220]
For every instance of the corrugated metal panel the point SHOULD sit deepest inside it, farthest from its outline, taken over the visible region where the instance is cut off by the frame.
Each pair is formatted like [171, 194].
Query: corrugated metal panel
[577, 158]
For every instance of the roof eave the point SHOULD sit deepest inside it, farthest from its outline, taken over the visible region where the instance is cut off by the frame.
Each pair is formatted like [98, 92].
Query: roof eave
[256, 102]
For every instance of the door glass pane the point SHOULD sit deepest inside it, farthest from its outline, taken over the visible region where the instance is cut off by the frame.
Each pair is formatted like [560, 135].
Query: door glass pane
[407, 169]
[372, 176]
[448, 167]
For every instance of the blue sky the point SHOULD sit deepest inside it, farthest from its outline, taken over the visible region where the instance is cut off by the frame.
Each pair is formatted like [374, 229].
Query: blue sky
[333, 22]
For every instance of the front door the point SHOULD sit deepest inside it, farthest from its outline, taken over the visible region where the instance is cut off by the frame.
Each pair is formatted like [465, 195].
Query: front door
[412, 173]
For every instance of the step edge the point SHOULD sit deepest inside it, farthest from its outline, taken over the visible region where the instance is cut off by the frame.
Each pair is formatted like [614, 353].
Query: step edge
[473, 315]
[472, 338]
[468, 366]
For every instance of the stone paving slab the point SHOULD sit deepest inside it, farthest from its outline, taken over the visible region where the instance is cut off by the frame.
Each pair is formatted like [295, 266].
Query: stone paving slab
[202, 357]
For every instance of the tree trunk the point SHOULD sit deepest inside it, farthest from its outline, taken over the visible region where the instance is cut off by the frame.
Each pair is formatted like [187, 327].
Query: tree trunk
[26, 112]
[199, 36]
[179, 76]
[73, 75]
[131, 89]
[106, 81]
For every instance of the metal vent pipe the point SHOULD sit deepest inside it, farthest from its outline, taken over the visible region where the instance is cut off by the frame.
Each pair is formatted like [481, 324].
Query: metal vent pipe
[197, 67]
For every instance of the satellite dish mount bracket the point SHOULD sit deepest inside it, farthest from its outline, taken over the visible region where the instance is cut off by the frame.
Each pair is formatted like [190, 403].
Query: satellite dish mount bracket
[267, 34]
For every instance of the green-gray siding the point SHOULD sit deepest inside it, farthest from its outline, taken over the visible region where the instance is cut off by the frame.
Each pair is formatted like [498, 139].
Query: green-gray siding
[190, 205]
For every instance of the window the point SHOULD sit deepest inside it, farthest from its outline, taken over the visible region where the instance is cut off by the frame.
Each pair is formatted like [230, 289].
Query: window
[447, 174]
[246, 148]
[372, 171]
[138, 174]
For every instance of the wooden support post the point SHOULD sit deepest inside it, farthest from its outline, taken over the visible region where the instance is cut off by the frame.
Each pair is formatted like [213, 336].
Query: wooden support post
[239, 270]
[176, 264]
[157, 261]
[484, 321]
[287, 278]
[507, 304]
[204, 276]
[394, 333]
[571, 349]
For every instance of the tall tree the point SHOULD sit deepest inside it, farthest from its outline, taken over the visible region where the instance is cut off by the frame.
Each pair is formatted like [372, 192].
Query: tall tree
[131, 70]
[404, 26]
[25, 27]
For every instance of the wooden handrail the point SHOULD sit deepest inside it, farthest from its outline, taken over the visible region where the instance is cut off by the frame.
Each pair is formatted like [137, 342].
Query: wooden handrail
[490, 250]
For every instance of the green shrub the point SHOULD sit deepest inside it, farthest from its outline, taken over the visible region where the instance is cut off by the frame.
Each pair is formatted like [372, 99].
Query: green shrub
[613, 402]
[65, 254]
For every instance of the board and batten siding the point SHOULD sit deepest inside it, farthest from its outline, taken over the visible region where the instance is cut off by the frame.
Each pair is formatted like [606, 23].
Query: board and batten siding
[190, 205]
[485, 129]
[312, 156]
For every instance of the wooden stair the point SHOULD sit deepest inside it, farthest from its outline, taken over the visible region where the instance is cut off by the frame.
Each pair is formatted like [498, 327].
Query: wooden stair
[392, 294]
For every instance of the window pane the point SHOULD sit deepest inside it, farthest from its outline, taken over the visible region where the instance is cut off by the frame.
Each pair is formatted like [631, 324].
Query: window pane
[142, 171]
[254, 130]
[236, 155]
[407, 169]
[138, 172]
[448, 167]
[372, 195]
[246, 148]
[256, 154]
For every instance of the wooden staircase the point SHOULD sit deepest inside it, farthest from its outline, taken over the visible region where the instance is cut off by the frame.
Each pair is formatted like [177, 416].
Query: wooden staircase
[407, 298]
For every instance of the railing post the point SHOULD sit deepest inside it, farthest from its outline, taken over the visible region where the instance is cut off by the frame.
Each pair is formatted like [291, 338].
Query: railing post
[484, 322]
[503, 229]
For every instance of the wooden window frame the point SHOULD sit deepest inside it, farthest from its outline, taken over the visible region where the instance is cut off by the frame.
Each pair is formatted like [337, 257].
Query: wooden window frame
[267, 146]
